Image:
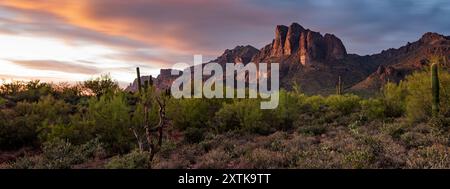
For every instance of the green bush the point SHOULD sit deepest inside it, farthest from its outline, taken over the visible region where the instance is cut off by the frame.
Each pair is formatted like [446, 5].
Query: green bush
[194, 135]
[19, 127]
[60, 154]
[288, 111]
[413, 96]
[313, 130]
[345, 104]
[244, 115]
[394, 99]
[109, 115]
[316, 102]
[2, 101]
[186, 113]
[373, 109]
[133, 160]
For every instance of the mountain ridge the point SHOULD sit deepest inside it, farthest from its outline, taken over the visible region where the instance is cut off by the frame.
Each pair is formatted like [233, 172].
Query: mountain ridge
[316, 61]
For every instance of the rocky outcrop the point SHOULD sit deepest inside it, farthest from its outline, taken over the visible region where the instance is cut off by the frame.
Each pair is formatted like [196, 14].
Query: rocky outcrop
[381, 76]
[239, 54]
[292, 39]
[279, 41]
[431, 38]
[306, 45]
[335, 47]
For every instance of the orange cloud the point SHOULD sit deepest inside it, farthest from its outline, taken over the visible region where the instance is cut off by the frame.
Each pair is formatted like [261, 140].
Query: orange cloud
[81, 13]
[178, 26]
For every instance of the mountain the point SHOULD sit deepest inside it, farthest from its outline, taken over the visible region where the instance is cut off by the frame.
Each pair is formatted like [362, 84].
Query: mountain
[396, 64]
[242, 54]
[315, 61]
[312, 60]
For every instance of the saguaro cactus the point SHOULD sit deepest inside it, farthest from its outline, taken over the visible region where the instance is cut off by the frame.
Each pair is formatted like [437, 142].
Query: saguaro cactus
[146, 85]
[139, 79]
[435, 89]
[339, 87]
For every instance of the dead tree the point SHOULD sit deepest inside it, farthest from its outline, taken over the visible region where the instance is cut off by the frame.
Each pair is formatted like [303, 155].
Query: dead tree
[153, 133]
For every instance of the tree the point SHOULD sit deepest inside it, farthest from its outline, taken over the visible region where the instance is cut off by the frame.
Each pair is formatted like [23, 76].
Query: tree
[101, 85]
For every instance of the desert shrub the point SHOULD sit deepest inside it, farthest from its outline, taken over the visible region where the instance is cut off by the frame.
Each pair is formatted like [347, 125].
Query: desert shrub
[393, 97]
[101, 85]
[313, 130]
[78, 131]
[373, 109]
[28, 162]
[111, 121]
[288, 110]
[2, 101]
[439, 122]
[316, 102]
[30, 91]
[244, 115]
[433, 157]
[395, 130]
[413, 96]
[318, 157]
[412, 139]
[60, 154]
[194, 135]
[358, 159]
[19, 126]
[214, 159]
[52, 110]
[345, 104]
[261, 158]
[134, 160]
[71, 94]
[186, 113]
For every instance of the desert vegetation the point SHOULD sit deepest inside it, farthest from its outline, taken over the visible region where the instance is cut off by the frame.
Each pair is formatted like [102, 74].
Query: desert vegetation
[96, 124]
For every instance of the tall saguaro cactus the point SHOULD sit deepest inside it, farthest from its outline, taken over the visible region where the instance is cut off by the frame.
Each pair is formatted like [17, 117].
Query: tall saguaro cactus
[435, 89]
[139, 79]
[339, 87]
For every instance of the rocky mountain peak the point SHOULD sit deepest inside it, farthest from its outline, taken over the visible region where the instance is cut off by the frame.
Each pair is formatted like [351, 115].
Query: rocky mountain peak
[308, 46]
[292, 38]
[279, 41]
[239, 54]
[432, 38]
[335, 47]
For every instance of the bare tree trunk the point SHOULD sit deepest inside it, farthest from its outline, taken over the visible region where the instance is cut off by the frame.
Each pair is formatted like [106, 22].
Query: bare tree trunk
[139, 140]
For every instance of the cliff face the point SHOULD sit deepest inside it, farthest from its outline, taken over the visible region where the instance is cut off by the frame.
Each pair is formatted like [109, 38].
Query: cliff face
[306, 45]
[315, 61]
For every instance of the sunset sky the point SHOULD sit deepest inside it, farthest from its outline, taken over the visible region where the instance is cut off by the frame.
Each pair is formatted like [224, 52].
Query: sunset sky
[74, 40]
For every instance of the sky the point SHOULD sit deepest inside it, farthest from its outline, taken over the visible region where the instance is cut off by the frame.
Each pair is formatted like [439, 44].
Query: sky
[75, 40]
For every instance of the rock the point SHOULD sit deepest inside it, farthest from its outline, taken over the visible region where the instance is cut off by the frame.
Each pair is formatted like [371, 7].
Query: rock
[432, 38]
[280, 39]
[312, 47]
[308, 46]
[292, 39]
[335, 47]
[240, 54]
